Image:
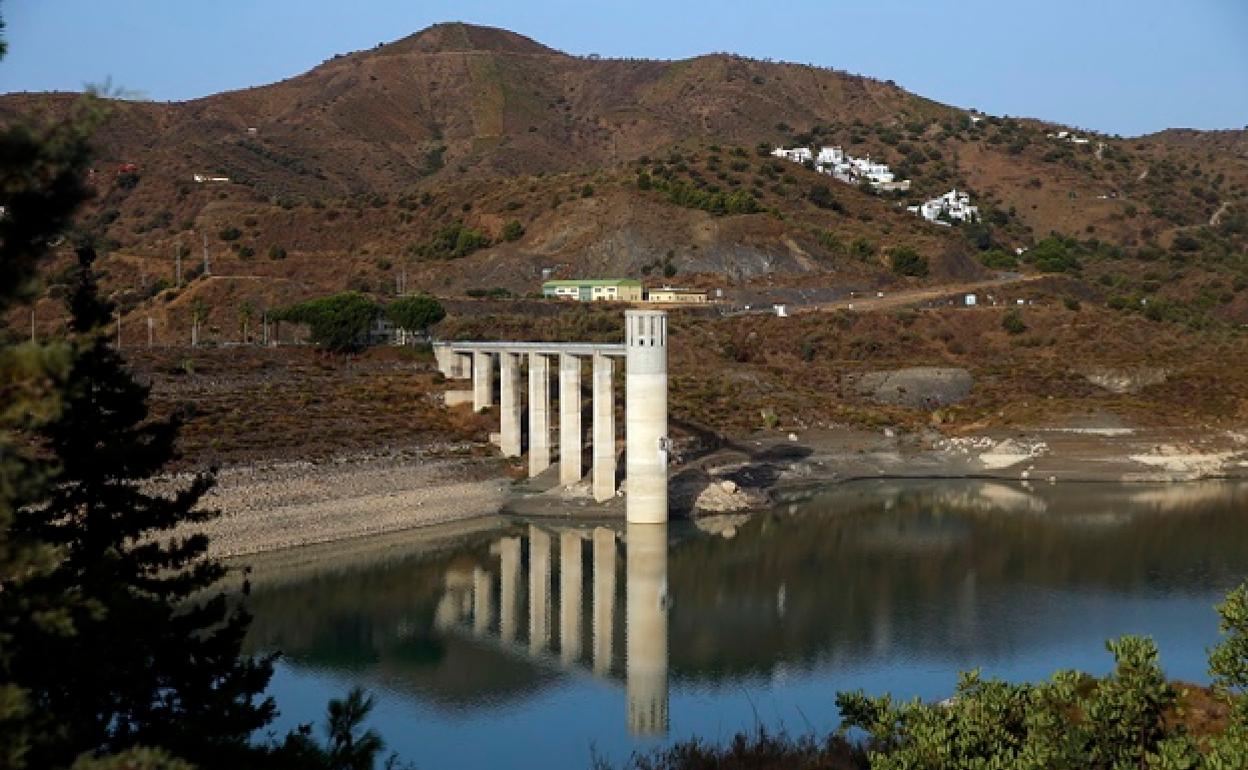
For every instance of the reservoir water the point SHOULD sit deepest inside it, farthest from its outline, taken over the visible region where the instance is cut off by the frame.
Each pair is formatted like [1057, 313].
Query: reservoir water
[509, 643]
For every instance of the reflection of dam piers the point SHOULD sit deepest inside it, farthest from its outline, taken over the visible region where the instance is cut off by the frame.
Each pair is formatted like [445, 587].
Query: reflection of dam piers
[645, 406]
[486, 602]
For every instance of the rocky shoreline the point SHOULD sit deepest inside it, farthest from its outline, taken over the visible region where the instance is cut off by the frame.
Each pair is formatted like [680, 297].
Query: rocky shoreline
[275, 506]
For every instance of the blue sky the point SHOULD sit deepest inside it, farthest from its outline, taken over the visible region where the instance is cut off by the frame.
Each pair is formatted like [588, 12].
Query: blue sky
[1122, 66]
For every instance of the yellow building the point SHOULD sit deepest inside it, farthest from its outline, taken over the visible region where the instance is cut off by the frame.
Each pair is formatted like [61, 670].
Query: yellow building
[668, 294]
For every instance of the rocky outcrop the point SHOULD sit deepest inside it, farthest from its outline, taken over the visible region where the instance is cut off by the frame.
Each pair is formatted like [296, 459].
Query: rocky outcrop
[1126, 380]
[699, 493]
[921, 387]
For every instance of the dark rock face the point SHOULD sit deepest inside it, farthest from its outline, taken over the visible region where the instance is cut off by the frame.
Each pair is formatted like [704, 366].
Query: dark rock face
[921, 387]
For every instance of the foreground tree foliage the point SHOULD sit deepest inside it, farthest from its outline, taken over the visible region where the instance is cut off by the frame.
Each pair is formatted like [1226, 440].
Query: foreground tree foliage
[114, 653]
[144, 665]
[42, 167]
[143, 668]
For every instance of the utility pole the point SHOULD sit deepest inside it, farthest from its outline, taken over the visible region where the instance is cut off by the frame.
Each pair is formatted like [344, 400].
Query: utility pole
[177, 256]
[207, 267]
[150, 329]
[119, 331]
[32, 325]
[264, 328]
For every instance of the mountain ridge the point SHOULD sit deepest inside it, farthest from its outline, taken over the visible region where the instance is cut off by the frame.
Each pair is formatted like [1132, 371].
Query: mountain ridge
[356, 166]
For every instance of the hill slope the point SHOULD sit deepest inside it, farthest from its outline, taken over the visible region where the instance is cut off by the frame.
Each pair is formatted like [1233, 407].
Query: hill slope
[349, 174]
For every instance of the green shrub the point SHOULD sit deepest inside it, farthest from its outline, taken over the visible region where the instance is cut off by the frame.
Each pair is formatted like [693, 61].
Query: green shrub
[714, 201]
[230, 233]
[830, 241]
[495, 293]
[1054, 255]
[513, 230]
[1185, 242]
[821, 196]
[862, 248]
[1072, 721]
[998, 260]
[906, 261]
[128, 180]
[1012, 322]
[452, 242]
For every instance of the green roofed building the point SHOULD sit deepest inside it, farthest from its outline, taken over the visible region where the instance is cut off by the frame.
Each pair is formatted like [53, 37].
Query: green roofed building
[591, 290]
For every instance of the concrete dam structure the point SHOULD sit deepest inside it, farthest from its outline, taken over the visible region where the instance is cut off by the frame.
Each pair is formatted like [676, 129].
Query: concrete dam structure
[644, 355]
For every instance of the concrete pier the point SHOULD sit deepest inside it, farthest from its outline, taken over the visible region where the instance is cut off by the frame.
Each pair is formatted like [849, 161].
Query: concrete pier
[482, 601]
[571, 552]
[539, 413]
[645, 420]
[570, 470]
[604, 600]
[508, 588]
[604, 428]
[645, 628]
[482, 381]
[510, 406]
[539, 590]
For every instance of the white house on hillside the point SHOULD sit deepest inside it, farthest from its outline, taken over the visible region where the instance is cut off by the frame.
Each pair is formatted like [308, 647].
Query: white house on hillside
[796, 155]
[953, 204]
[830, 156]
[835, 162]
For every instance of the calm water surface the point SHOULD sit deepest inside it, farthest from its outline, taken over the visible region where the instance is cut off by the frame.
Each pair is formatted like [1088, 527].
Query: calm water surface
[534, 645]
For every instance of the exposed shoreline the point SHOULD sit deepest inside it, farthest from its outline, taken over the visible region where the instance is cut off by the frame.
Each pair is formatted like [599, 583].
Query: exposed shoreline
[268, 507]
[275, 506]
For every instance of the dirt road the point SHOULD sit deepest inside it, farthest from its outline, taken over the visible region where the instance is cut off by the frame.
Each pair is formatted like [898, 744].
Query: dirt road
[891, 300]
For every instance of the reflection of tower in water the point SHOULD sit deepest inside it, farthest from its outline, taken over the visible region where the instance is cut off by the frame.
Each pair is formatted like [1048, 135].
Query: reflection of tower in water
[646, 629]
[472, 606]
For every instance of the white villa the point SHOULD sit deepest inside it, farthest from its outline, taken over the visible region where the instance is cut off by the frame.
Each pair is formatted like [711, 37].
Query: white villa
[953, 204]
[830, 156]
[835, 162]
[1067, 136]
[795, 155]
[875, 173]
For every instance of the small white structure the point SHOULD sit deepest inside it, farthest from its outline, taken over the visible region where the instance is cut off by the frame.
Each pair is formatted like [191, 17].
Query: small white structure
[782, 311]
[830, 156]
[953, 205]
[838, 164]
[795, 155]
[971, 300]
[203, 178]
[1067, 136]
